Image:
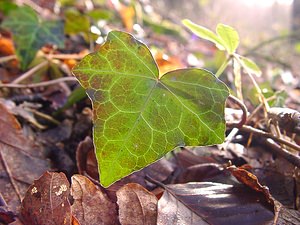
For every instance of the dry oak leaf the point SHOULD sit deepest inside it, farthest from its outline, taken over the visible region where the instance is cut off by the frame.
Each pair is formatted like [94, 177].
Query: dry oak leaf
[91, 206]
[46, 201]
[136, 205]
[21, 162]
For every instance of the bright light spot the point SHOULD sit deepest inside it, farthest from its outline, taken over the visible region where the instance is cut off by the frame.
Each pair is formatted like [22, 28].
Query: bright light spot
[287, 77]
[165, 57]
[139, 30]
[101, 23]
[285, 2]
[265, 3]
[95, 30]
[100, 40]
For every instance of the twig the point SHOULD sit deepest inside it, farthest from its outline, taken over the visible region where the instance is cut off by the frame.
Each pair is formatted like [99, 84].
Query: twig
[259, 91]
[269, 41]
[243, 108]
[44, 116]
[41, 84]
[153, 181]
[294, 159]
[255, 131]
[65, 56]
[30, 72]
[7, 58]
[10, 177]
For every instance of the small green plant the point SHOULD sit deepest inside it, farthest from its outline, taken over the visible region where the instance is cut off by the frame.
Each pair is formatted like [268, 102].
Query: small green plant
[140, 116]
[30, 33]
[227, 39]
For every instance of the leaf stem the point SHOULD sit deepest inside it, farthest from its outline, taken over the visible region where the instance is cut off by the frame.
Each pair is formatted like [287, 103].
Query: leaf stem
[259, 91]
[30, 72]
[41, 84]
[7, 58]
[259, 132]
[153, 181]
[223, 66]
[243, 108]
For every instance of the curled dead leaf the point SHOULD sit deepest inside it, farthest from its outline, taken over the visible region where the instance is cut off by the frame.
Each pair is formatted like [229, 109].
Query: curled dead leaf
[136, 205]
[91, 206]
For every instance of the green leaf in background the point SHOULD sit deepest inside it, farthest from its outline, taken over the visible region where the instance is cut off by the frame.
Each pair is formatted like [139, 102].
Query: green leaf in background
[227, 38]
[75, 23]
[30, 33]
[6, 6]
[204, 33]
[139, 116]
[230, 37]
[100, 14]
[249, 65]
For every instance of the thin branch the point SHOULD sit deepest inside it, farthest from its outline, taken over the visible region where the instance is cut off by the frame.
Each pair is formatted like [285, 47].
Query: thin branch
[258, 132]
[270, 41]
[30, 72]
[41, 84]
[65, 56]
[7, 58]
[294, 159]
[259, 91]
[153, 181]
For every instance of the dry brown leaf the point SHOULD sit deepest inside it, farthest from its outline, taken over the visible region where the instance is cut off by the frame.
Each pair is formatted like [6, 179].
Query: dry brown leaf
[127, 14]
[167, 63]
[136, 205]
[46, 201]
[251, 181]
[21, 160]
[6, 46]
[213, 203]
[91, 206]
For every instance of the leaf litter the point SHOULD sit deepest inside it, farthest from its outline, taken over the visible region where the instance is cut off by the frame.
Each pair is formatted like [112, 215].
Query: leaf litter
[191, 185]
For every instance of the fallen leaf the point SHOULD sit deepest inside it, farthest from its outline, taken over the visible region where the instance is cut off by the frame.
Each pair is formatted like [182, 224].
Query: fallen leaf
[21, 160]
[6, 216]
[91, 206]
[213, 203]
[167, 63]
[6, 46]
[288, 216]
[251, 181]
[136, 205]
[86, 159]
[127, 14]
[200, 172]
[46, 201]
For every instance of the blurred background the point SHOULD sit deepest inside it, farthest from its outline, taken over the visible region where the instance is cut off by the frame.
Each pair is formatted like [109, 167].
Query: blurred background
[268, 29]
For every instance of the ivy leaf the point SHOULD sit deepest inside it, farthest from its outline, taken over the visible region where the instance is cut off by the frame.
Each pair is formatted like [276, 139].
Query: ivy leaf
[229, 36]
[204, 33]
[139, 116]
[250, 66]
[30, 33]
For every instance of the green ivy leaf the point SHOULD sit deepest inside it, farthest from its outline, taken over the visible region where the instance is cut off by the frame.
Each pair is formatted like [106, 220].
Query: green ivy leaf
[230, 37]
[30, 33]
[204, 33]
[250, 65]
[139, 116]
